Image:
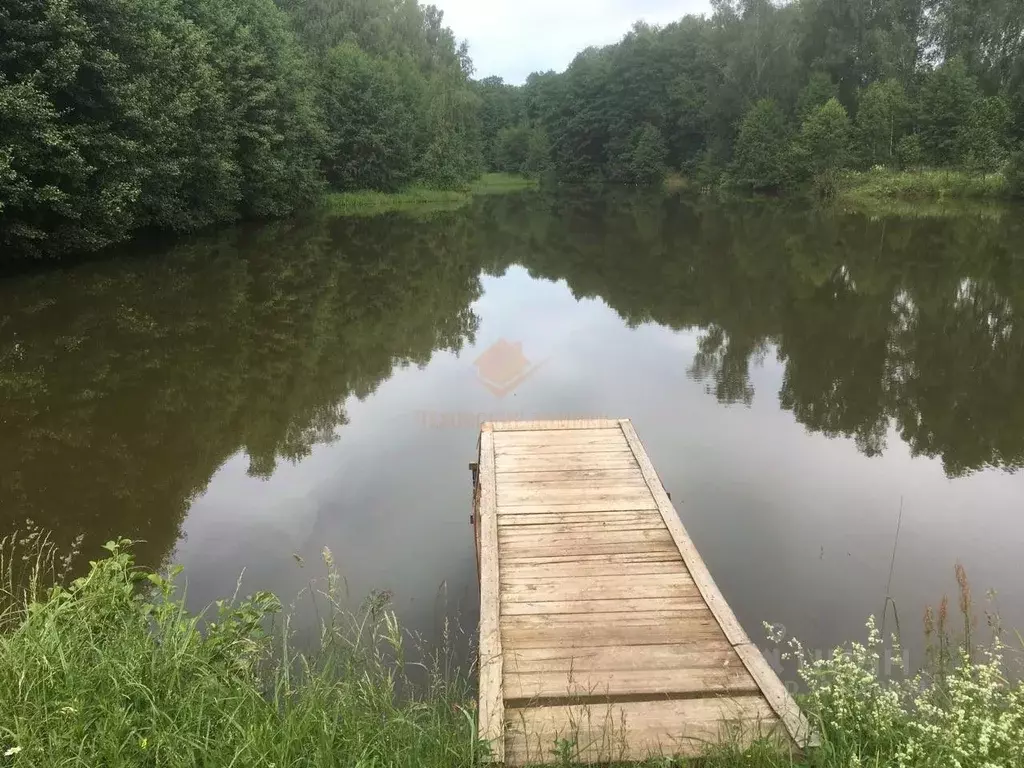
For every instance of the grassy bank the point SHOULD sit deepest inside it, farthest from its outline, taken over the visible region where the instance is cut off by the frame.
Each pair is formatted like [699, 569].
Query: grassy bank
[881, 184]
[112, 670]
[423, 200]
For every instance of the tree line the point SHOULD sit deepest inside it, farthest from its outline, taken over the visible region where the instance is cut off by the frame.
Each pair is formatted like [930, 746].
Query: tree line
[764, 95]
[123, 115]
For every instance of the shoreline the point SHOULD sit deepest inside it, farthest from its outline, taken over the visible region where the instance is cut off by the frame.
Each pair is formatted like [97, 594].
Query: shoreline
[106, 652]
[417, 199]
[925, 185]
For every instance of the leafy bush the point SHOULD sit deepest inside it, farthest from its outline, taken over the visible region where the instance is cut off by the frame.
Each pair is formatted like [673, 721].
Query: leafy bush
[882, 110]
[948, 94]
[370, 122]
[118, 115]
[643, 161]
[908, 151]
[453, 155]
[538, 154]
[962, 710]
[512, 148]
[981, 141]
[817, 93]
[1015, 173]
[762, 149]
[823, 146]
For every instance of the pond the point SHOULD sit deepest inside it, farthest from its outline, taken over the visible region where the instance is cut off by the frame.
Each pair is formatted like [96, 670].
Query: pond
[834, 401]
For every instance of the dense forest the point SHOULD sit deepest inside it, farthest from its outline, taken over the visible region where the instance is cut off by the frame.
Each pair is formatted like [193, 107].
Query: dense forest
[121, 115]
[124, 115]
[765, 95]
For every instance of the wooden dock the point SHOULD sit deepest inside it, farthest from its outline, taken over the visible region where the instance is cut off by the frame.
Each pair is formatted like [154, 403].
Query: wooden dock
[600, 626]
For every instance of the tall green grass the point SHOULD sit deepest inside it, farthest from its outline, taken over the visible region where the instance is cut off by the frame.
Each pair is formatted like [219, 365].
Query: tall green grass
[921, 184]
[111, 669]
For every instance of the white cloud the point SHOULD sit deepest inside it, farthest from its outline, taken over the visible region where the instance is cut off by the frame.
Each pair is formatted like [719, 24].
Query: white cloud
[513, 38]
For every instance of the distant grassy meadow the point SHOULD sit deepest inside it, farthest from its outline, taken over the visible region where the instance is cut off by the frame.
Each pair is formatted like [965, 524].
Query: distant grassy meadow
[423, 200]
[111, 669]
[922, 185]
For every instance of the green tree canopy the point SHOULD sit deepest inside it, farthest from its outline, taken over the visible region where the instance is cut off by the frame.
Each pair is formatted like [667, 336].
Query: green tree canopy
[882, 113]
[371, 121]
[762, 148]
[824, 141]
[118, 115]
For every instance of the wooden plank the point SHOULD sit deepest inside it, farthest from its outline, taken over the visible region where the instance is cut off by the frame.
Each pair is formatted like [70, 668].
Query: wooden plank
[778, 696]
[783, 705]
[525, 687]
[587, 607]
[670, 554]
[512, 585]
[514, 481]
[634, 731]
[551, 425]
[611, 497]
[516, 540]
[567, 529]
[573, 436]
[557, 584]
[640, 518]
[491, 707]
[652, 629]
[566, 461]
[573, 589]
[635, 505]
[614, 620]
[515, 571]
[592, 445]
[595, 474]
[527, 535]
[650, 657]
[568, 491]
[589, 548]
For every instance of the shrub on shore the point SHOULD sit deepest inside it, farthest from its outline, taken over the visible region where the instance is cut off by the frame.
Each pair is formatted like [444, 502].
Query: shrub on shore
[965, 708]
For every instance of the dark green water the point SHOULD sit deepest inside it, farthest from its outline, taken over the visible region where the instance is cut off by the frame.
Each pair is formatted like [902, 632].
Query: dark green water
[796, 376]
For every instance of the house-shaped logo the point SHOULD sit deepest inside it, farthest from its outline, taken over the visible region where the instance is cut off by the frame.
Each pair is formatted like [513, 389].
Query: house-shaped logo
[503, 367]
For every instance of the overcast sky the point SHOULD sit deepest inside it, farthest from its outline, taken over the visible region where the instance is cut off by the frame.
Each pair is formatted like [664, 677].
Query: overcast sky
[513, 38]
